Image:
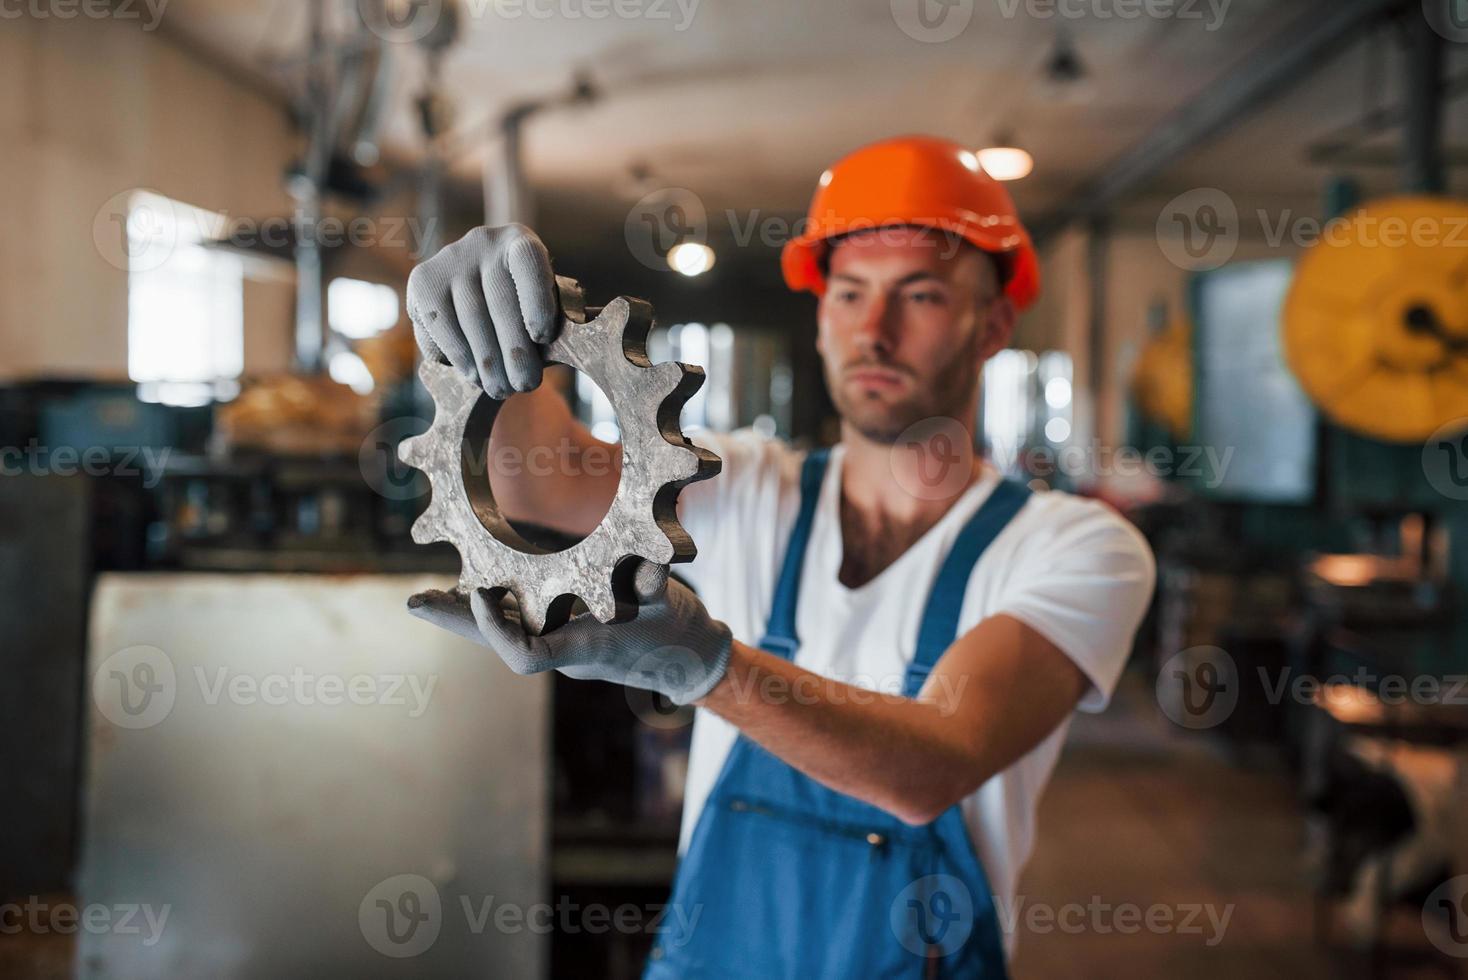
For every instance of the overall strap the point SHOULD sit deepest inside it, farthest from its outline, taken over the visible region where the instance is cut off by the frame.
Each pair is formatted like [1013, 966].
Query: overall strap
[940, 618]
[780, 635]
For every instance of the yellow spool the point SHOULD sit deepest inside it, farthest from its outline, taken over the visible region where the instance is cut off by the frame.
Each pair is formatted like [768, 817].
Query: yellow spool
[1163, 380]
[1376, 319]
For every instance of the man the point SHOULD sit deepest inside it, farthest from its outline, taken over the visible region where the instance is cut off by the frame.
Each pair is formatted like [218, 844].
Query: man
[862, 784]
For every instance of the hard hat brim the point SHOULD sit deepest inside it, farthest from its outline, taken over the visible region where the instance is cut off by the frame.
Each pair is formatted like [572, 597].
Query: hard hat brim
[802, 256]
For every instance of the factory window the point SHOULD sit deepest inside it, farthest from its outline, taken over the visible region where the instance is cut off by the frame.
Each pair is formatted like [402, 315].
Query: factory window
[711, 348]
[711, 407]
[1007, 407]
[1054, 378]
[358, 309]
[1027, 403]
[185, 304]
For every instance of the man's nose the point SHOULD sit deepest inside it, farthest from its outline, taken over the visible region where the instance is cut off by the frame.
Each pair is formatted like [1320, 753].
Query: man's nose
[874, 330]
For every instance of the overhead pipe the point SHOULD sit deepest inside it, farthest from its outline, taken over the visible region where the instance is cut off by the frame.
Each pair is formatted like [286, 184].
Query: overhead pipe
[306, 188]
[1294, 56]
[507, 194]
[1423, 171]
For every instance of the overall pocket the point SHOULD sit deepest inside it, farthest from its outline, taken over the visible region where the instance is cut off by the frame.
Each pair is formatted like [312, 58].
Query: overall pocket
[806, 895]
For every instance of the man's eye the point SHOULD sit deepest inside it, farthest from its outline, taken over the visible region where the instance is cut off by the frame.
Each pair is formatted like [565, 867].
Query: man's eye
[934, 298]
[846, 296]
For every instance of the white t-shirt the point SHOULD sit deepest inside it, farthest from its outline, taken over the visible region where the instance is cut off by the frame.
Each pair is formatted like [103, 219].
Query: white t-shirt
[1070, 568]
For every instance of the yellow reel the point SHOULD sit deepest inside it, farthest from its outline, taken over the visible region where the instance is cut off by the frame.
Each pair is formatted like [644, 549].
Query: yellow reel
[1376, 319]
[1162, 383]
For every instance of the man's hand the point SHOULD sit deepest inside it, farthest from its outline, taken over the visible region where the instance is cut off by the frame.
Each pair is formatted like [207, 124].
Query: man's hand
[673, 647]
[484, 304]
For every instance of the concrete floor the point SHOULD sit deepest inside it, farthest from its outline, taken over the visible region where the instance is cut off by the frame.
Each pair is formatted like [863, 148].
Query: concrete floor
[1139, 812]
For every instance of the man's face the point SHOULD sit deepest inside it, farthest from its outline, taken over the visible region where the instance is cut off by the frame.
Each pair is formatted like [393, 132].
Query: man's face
[908, 317]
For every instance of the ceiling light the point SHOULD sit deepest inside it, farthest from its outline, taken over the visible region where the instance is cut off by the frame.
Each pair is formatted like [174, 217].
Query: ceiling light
[1063, 66]
[1006, 162]
[691, 258]
[1064, 77]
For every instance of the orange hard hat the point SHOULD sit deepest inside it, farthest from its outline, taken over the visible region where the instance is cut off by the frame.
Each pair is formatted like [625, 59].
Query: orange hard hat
[913, 180]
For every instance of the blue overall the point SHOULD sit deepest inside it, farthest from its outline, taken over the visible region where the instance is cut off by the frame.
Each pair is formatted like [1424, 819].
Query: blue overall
[784, 877]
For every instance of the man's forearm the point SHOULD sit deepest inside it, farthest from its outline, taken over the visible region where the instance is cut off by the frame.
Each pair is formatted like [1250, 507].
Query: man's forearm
[547, 468]
[994, 695]
[897, 753]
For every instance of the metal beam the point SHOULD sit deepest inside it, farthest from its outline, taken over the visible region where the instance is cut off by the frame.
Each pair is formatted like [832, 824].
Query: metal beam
[1291, 57]
[1422, 145]
[1343, 146]
[1098, 237]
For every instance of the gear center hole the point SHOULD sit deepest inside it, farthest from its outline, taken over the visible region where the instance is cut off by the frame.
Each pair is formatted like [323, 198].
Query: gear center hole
[500, 471]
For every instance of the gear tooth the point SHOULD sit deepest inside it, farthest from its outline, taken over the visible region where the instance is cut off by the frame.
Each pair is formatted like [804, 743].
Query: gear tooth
[656, 547]
[525, 599]
[680, 459]
[412, 451]
[628, 321]
[421, 533]
[617, 312]
[694, 462]
[533, 606]
[679, 544]
[689, 379]
[602, 602]
[665, 377]
[705, 463]
[439, 508]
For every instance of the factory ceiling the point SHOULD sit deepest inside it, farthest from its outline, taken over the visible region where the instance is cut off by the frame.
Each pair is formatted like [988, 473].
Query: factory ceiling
[744, 103]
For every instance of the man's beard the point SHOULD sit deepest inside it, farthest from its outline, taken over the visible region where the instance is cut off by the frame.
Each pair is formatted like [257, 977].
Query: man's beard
[948, 392]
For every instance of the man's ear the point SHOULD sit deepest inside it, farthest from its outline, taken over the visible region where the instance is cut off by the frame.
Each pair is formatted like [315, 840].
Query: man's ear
[998, 327]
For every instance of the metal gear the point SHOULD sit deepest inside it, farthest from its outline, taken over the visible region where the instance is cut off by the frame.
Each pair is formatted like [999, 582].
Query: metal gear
[642, 522]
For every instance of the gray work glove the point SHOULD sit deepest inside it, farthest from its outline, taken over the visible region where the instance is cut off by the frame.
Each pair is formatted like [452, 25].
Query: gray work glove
[673, 647]
[484, 304]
